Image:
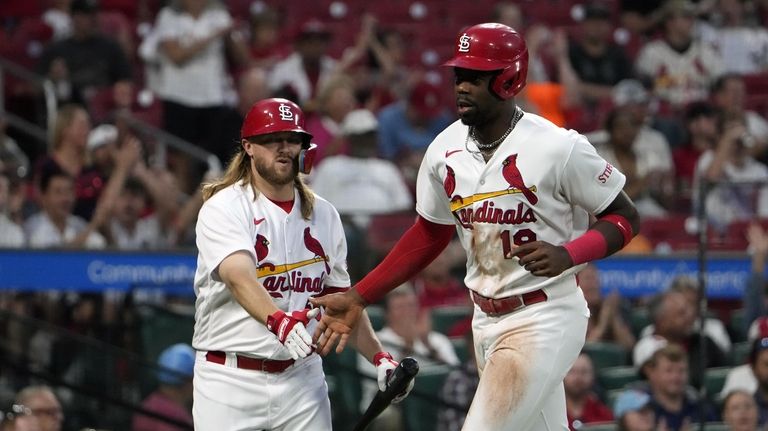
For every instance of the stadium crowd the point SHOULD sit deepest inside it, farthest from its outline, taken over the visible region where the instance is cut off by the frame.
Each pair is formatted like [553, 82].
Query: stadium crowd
[674, 93]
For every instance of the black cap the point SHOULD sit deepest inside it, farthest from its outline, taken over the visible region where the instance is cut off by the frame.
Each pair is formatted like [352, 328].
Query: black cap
[84, 6]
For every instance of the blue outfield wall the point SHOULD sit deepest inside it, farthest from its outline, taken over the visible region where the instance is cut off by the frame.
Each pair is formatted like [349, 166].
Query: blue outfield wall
[31, 270]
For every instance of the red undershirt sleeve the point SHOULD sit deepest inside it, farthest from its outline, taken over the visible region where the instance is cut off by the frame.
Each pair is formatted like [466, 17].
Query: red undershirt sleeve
[416, 249]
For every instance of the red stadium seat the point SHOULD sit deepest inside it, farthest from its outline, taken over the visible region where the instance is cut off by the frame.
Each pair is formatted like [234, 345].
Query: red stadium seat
[385, 229]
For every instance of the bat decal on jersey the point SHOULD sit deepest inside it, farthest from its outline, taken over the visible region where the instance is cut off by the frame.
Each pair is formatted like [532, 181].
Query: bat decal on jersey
[315, 247]
[512, 176]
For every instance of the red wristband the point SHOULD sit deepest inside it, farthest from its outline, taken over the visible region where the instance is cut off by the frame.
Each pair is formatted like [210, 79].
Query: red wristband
[588, 247]
[381, 355]
[622, 224]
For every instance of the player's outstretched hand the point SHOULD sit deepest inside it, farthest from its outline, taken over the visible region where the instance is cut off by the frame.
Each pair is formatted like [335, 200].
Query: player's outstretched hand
[542, 258]
[385, 365]
[342, 311]
[292, 332]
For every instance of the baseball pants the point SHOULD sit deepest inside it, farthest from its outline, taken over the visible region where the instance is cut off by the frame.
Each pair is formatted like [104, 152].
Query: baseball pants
[523, 357]
[232, 399]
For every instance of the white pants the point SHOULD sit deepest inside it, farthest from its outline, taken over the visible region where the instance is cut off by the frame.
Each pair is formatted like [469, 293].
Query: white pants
[232, 399]
[523, 357]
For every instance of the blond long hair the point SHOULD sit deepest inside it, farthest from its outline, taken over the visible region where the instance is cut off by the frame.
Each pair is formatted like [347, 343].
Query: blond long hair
[239, 170]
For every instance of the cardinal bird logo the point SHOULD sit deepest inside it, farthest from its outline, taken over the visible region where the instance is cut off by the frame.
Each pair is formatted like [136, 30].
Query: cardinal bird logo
[449, 184]
[261, 247]
[313, 245]
[515, 180]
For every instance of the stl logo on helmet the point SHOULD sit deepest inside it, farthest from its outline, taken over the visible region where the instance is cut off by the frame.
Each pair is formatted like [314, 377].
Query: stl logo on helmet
[464, 43]
[285, 112]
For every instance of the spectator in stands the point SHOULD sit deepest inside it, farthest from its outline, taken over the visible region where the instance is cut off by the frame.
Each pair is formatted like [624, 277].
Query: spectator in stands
[597, 60]
[194, 82]
[760, 369]
[740, 411]
[742, 377]
[582, 404]
[675, 406]
[252, 86]
[266, 45]
[730, 160]
[336, 99]
[674, 320]
[87, 59]
[173, 397]
[713, 326]
[42, 404]
[130, 228]
[58, 18]
[55, 225]
[729, 96]
[607, 315]
[649, 173]
[407, 127]
[633, 411]
[754, 299]
[680, 67]
[742, 45]
[11, 234]
[299, 76]
[407, 332]
[701, 124]
[457, 391]
[386, 76]
[360, 185]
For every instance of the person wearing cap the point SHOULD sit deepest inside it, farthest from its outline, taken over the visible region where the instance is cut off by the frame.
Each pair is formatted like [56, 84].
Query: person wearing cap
[173, 397]
[681, 67]
[633, 412]
[674, 320]
[742, 377]
[301, 74]
[597, 60]
[700, 123]
[361, 185]
[674, 403]
[407, 127]
[87, 59]
[759, 364]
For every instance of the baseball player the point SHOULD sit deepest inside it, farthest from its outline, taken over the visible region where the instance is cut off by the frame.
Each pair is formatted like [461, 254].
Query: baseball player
[266, 245]
[519, 191]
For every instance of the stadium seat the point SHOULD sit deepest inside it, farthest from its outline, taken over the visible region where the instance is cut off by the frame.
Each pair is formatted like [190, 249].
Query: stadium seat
[161, 328]
[422, 405]
[740, 352]
[617, 377]
[346, 381]
[606, 355]
[443, 318]
[714, 379]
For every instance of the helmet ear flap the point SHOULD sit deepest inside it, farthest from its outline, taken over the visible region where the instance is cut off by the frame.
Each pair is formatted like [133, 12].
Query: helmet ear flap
[307, 159]
[510, 80]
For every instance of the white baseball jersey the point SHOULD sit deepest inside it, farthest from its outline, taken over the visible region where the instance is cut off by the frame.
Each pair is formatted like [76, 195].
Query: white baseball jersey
[295, 259]
[540, 184]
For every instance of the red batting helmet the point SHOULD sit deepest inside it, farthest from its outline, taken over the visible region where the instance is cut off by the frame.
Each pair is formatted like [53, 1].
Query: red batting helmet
[274, 115]
[493, 47]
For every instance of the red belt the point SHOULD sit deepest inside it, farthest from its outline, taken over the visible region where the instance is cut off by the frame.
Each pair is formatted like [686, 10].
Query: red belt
[246, 363]
[497, 307]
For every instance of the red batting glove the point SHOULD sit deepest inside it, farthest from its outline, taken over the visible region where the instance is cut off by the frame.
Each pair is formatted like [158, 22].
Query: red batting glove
[291, 330]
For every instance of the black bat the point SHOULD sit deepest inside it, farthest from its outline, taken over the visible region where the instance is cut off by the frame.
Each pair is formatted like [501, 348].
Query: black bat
[398, 381]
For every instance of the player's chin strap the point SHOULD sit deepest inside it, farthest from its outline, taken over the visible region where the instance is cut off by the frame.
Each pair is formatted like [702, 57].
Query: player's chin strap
[593, 245]
[307, 159]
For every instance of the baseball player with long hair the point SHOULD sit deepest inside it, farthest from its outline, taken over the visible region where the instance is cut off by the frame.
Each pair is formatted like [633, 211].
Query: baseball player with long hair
[267, 245]
[519, 191]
